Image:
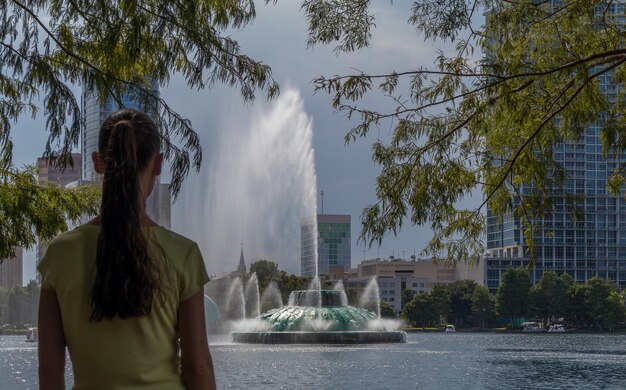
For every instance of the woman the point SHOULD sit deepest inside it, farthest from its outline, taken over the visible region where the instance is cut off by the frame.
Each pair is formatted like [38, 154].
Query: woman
[120, 291]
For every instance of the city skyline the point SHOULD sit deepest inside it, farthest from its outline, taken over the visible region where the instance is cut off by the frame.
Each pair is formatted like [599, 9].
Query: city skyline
[346, 174]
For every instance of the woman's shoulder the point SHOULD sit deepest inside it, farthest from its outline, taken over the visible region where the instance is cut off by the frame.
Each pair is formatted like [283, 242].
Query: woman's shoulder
[81, 233]
[172, 241]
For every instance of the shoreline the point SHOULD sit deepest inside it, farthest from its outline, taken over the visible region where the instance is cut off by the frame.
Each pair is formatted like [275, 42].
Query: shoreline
[504, 330]
[13, 332]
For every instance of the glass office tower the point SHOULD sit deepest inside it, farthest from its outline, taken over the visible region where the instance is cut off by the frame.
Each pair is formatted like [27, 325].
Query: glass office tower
[333, 244]
[594, 245]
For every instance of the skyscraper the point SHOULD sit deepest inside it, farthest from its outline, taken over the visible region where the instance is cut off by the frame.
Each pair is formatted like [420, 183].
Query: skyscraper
[158, 204]
[594, 245]
[11, 270]
[333, 244]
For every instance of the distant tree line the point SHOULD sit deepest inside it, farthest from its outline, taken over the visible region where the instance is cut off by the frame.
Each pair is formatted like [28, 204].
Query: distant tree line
[552, 299]
[463, 303]
[595, 303]
[267, 271]
[18, 306]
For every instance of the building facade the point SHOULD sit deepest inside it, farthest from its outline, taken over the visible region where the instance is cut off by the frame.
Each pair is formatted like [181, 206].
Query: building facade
[12, 271]
[394, 276]
[48, 173]
[333, 244]
[584, 238]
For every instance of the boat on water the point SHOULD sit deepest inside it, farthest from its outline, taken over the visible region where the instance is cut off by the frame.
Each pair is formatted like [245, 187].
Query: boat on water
[32, 335]
[449, 329]
[557, 328]
[532, 327]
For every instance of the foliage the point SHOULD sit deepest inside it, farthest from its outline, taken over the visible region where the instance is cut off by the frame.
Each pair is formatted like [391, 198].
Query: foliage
[513, 292]
[548, 296]
[29, 209]
[22, 304]
[111, 48]
[289, 283]
[597, 296]
[422, 311]
[386, 311]
[577, 305]
[441, 301]
[427, 309]
[352, 296]
[460, 301]
[405, 297]
[482, 305]
[266, 272]
[4, 300]
[473, 123]
[595, 303]
[615, 312]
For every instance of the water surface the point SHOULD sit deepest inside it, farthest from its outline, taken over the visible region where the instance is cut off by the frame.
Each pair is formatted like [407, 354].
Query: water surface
[427, 361]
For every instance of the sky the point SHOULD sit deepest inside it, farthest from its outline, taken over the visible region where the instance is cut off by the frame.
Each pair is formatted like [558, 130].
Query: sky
[345, 173]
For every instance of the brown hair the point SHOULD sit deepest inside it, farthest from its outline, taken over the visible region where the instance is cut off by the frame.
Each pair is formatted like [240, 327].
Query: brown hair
[127, 277]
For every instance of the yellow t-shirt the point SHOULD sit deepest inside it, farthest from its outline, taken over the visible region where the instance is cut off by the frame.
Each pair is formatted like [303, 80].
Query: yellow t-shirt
[132, 353]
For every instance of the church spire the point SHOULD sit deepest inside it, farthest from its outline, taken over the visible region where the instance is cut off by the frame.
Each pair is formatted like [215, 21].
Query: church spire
[242, 263]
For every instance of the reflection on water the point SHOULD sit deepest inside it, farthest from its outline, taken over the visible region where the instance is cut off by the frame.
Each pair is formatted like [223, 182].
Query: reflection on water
[427, 361]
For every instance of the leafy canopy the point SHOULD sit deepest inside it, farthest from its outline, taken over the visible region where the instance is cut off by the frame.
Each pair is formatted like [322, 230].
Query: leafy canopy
[485, 117]
[31, 210]
[115, 47]
[110, 47]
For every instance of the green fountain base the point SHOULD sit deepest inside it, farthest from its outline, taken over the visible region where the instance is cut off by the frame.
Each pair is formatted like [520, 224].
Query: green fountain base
[354, 337]
[318, 317]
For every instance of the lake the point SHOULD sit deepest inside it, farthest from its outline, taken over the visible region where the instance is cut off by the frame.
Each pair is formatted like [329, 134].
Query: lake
[426, 361]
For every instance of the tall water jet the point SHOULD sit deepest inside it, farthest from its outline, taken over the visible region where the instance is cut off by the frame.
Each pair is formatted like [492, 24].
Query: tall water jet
[251, 295]
[315, 292]
[271, 298]
[370, 298]
[235, 304]
[258, 185]
[342, 292]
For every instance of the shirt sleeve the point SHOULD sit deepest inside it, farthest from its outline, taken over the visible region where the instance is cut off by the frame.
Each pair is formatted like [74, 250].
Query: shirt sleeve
[47, 269]
[194, 274]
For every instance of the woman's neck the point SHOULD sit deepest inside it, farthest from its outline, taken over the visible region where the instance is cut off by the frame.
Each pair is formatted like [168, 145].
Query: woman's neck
[144, 220]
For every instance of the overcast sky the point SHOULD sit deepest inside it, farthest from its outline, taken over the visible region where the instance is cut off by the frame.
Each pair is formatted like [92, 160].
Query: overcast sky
[346, 174]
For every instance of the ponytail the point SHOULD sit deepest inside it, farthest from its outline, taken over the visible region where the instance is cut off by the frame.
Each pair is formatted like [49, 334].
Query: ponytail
[127, 277]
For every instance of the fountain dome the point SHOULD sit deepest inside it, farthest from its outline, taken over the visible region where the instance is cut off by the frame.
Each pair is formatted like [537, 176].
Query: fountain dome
[317, 316]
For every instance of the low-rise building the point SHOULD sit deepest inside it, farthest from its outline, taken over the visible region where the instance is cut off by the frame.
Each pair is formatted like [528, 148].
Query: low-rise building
[395, 275]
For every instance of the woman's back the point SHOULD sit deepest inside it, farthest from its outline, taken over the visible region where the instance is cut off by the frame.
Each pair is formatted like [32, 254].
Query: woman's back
[135, 352]
[119, 292]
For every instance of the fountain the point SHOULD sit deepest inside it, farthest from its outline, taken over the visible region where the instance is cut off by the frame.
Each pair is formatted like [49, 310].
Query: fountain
[370, 298]
[271, 298]
[251, 295]
[330, 322]
[260, 186]
[342, 291]
[235, 305]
